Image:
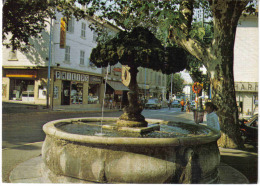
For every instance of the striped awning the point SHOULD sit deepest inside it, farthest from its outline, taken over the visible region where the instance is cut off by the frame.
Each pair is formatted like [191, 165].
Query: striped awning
[117, 85]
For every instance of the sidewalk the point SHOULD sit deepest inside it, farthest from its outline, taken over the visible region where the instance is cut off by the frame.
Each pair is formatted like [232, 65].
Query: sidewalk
[233, 162]
[16, 108]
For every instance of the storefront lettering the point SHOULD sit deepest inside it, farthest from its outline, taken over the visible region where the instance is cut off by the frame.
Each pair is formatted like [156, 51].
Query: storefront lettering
[71, 76]
[246, 87]
[117, 69]
[94, 79]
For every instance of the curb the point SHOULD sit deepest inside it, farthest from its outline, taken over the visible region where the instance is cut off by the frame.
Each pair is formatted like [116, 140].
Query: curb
[61, 111]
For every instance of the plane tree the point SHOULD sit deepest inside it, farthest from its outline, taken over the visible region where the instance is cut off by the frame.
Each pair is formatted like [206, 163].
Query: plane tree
[174, 20]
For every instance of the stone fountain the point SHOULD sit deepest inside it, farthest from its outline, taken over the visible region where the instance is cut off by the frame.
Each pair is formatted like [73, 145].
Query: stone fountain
[163, 152]
[131, 149]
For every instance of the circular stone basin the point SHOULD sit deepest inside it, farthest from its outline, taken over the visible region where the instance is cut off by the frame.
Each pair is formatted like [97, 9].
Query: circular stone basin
[176, 153]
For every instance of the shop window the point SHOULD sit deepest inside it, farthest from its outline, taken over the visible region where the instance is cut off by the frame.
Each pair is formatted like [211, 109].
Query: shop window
[76, 94]
[93, 94]
[22, 90]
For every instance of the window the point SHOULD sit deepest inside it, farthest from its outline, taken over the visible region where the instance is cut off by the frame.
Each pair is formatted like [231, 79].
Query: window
[83, 30]
[67, 54]
[159, 80]
[70, 25]
[82, 57]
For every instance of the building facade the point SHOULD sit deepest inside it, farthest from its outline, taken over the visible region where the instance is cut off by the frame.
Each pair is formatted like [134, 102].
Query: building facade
[74, 80]
[246, 64]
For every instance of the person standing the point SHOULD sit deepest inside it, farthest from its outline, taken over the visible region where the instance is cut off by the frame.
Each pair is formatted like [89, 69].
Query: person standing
[182, 105]
[187, 105]
[212, 117]
[170, 104]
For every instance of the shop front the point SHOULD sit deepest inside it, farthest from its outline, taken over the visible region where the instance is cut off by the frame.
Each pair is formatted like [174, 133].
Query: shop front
[116, 94]
[24, 85]
[76, 89]
[247, 97]
[143, 91]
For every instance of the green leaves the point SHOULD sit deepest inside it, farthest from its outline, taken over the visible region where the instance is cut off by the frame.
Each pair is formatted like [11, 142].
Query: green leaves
[139, 48]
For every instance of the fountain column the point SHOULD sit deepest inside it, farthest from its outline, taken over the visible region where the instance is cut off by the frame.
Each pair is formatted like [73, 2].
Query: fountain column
[132, 116]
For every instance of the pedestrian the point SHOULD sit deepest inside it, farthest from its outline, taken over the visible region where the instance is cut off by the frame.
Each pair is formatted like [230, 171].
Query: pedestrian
[170, 104]
[187, 105]
[212, 117]
[182, 105]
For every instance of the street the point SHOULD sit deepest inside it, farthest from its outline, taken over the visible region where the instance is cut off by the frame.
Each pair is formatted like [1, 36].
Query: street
[22, 136]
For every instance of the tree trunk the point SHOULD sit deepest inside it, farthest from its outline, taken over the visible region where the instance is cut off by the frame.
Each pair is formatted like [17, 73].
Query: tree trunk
[132, 116]
[220, 68]
[218, 58]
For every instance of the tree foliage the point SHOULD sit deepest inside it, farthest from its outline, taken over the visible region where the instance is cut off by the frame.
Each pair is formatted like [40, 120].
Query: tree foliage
[177, 83]
[139, 48]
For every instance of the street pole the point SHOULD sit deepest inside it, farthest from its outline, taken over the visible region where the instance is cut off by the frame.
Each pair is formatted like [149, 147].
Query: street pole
[145, 83]
[171, 87]
[49, 69]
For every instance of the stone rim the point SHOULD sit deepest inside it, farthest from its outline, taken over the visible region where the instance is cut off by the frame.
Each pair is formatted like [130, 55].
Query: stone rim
[51, 129]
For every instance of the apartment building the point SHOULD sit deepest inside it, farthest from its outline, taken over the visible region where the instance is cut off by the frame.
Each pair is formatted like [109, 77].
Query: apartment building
[246, 64]
[74, 81]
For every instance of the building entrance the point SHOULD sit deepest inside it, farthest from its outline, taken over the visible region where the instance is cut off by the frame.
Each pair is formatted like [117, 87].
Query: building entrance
[65, 93]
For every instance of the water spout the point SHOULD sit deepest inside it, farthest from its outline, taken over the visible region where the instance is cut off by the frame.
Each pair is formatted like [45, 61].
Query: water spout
[103, 104]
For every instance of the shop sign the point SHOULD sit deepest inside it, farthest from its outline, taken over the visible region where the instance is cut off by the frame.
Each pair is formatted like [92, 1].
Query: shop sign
[117, 70]
[62, 32]
[64, 75]
[120, 92]
[94, 79]
[74, 76]
[71, 76]
[68, 76]
[246, 86]
[21, 73]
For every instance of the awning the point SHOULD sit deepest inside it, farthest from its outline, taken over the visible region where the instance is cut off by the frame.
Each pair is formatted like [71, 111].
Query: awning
[117, 85]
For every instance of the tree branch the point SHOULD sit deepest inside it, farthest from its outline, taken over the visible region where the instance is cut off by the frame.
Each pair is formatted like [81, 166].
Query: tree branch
[181, 35]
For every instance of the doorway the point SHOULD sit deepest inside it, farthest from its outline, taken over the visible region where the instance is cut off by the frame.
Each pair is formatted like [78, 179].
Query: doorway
[65, 94]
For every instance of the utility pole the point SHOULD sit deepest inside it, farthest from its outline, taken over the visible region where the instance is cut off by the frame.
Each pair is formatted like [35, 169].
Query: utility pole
[145, 83]
[171, 87]
[49, 69]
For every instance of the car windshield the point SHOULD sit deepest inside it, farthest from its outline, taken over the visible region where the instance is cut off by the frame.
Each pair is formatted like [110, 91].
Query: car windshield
[152, 101]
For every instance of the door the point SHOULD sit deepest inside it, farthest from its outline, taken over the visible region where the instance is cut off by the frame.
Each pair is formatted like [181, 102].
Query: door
[65, 95]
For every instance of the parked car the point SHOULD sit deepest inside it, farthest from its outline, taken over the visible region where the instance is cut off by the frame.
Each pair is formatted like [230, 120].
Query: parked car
[249, 130]
[176, 104]
[153, 103]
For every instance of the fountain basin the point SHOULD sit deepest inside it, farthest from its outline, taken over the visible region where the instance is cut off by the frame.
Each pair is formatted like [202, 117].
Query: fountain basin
[189, 158]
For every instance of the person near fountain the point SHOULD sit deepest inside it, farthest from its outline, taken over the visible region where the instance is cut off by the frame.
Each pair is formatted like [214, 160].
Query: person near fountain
[187, 105]
[212, 117]
[182, 105]
[170, 103]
